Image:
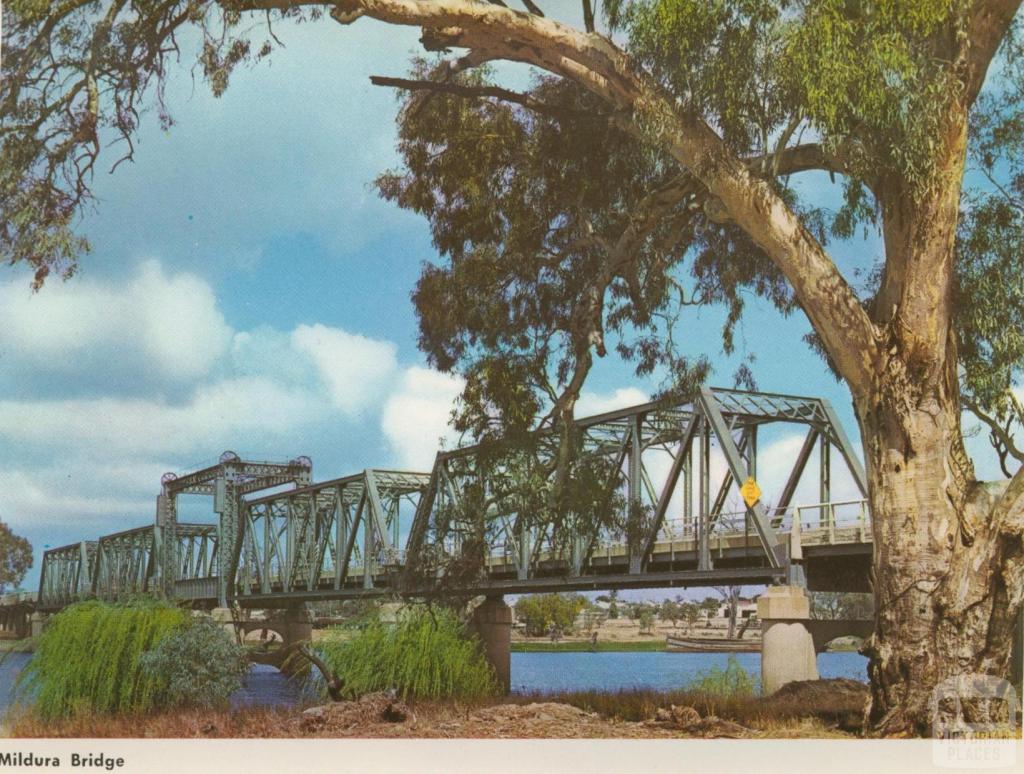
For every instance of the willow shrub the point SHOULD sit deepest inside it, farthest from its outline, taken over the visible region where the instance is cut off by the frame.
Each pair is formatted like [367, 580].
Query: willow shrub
[89, 659]
[423, 654]
[200, 662]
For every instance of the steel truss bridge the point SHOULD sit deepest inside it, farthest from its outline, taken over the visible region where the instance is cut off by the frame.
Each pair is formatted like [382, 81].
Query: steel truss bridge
[640, 506]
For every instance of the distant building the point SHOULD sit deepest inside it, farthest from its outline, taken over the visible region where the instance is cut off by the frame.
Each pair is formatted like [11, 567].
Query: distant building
[744, 609]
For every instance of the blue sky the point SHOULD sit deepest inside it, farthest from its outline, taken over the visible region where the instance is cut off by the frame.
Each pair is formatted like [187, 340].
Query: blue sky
[249, 291]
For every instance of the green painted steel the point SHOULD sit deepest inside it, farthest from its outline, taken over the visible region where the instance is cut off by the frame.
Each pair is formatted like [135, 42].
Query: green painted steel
[386, 532]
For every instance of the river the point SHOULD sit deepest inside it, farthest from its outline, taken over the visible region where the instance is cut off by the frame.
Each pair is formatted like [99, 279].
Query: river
[534, 673]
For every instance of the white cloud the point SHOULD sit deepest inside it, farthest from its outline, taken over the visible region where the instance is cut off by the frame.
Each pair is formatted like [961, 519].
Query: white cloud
[181, 327]
[591, 403]
[354, 368]
[416, 416]
[218, 416]
[91, 451]
[168, 326]
[86, 493]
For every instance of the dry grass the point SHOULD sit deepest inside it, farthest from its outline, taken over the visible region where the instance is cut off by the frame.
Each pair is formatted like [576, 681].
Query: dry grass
[811, 710]
[254, 722]
[837, 703]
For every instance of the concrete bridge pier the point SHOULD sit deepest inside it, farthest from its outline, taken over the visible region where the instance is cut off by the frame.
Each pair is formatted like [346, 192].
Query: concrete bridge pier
[294, 627]
[36, 623]
[492, 623]
[787, 647]
[297, 625]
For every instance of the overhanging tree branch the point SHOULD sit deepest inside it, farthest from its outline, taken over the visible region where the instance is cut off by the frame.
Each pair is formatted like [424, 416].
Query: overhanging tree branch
[496, 92]
[986, 30]
[600, 66]
[999, 433]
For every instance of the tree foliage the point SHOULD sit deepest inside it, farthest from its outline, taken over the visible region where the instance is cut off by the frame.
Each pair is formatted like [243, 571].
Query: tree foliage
[559, 224]
[541, 612]
[425, 653]
[89, 658]
[15, 557]
[200, 662]
[586, 213]
[833, 605]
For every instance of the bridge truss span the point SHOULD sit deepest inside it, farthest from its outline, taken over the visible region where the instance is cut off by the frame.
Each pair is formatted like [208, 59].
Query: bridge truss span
[647, 498]
[339, 535]
[641, 504]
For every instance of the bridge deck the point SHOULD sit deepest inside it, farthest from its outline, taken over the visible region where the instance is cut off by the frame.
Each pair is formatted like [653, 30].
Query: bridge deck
[644, 506]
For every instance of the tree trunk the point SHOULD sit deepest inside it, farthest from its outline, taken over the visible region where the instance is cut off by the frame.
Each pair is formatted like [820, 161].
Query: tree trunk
[733, 605]
[947, 571]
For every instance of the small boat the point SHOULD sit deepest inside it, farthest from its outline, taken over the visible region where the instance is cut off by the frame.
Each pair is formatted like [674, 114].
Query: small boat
[711, 645]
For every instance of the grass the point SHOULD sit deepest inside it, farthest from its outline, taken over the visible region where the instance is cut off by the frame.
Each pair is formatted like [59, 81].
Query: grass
[424, 654]
[250, 722]
[733, 681]
[762, 712]
[88, 659]
[773, 719]
[585, 646]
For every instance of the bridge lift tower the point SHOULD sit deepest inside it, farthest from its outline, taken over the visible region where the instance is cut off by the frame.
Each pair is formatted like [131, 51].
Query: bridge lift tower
[227, 483]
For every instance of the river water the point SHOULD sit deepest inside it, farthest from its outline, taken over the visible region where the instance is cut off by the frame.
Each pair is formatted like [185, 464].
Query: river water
[533, 673]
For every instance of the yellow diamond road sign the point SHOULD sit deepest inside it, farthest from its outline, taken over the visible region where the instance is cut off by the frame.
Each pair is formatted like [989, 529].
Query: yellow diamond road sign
[751, 492]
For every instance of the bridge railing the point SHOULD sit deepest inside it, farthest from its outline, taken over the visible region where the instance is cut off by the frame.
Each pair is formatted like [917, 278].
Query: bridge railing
[830, 522]
[15, 598]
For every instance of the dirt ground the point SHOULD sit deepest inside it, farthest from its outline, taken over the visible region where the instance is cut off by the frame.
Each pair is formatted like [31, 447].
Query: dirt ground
[380, 716]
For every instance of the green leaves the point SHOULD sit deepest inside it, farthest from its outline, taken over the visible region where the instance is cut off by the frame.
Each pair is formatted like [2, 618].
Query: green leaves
[77, 78]
[541, 612]
[990, 299]
[719, 57]
[89, 659]
[733, 681]
[879, 74]
[426, 653]
[15, 557]
[200, 663]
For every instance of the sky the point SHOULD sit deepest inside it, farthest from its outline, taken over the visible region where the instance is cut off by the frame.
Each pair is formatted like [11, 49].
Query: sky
[248, 290]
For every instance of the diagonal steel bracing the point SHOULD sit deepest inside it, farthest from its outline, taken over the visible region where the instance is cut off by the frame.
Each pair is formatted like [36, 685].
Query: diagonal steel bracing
[531, 538]
[227, 483]
[339, 534]
[624, 513]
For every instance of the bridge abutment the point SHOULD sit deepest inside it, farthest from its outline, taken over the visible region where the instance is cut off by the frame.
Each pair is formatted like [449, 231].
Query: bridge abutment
[492, 623]
[294, 627]
[298, 626]
[787, 647]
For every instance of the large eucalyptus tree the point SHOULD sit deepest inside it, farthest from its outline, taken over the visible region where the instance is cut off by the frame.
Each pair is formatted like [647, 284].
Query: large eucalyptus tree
[651, 168]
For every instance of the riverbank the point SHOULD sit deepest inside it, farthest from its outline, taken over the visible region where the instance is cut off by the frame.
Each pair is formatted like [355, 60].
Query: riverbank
[820, 709]
[587, 646]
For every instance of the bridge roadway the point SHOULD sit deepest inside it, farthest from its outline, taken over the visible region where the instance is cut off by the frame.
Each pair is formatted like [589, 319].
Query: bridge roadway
[642, 508]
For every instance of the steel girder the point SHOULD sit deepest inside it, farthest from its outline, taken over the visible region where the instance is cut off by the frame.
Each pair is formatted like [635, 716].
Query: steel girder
[506, 498]
[66, 575]
[333, 535]
[126, 563]
[227, 482]
[498, 506]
